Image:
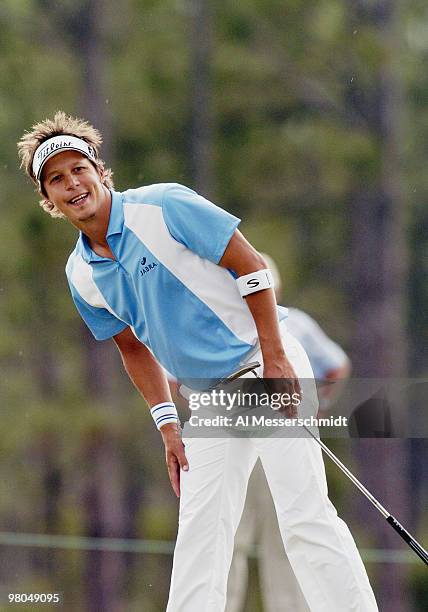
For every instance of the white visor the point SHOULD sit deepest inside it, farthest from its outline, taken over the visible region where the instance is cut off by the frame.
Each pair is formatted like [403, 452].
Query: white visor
[58, 144]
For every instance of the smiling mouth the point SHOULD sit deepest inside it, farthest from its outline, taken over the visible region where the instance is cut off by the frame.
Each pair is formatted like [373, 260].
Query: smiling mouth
[80, 199]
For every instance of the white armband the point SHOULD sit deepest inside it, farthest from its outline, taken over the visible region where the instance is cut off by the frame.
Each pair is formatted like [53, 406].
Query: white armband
[255, 281]
[164, 413]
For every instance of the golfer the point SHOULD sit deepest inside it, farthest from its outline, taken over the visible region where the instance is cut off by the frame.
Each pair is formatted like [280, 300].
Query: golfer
[167, 275]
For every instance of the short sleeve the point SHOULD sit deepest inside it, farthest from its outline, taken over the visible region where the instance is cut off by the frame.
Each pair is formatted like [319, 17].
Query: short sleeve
[323, 353]
[102, 323]
[197, 223]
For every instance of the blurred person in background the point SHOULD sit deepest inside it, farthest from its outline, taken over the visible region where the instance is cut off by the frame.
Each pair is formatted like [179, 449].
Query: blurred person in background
[166, 274]
[259, 524]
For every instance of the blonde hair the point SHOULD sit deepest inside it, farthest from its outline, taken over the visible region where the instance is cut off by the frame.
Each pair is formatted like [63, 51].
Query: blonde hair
[60, 124]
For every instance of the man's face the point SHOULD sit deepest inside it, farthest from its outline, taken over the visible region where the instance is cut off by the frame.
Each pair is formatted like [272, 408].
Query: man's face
[74, 185]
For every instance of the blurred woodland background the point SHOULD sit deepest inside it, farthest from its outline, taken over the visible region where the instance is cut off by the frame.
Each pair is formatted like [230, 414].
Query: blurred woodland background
[307, 118]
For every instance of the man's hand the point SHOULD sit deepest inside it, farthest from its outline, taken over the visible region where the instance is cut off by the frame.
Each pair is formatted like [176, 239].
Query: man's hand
[174, 454]
[280, 377]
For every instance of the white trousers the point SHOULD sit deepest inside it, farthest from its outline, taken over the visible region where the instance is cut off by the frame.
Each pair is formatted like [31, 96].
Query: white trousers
[319, 545]
[279, 587]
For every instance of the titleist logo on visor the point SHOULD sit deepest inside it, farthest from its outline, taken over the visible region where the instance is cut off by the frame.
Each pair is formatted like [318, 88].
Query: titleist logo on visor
[50, 147]
[55, 145]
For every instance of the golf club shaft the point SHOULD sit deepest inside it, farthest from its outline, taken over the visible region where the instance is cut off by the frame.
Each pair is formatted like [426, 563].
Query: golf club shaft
[405, 535]
[349, 474]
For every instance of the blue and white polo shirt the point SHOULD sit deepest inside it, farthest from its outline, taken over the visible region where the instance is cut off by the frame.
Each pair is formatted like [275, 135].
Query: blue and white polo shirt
[165, 283]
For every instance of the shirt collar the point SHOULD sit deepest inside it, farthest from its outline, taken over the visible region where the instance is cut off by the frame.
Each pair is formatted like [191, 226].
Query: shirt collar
[115, 226]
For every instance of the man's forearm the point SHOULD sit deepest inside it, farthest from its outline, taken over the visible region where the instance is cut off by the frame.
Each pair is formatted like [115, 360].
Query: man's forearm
[146, 374]
[151, 381]
[263, 309]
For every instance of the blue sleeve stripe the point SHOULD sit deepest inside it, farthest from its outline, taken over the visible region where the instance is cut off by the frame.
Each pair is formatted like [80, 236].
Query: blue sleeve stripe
[160, 406]
[166, 416]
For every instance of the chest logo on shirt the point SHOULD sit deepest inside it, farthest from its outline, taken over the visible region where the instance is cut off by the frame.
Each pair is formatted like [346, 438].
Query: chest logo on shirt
[146, 267]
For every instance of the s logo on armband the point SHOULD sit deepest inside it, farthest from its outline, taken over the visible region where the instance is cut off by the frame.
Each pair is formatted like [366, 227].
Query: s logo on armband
[255, 281]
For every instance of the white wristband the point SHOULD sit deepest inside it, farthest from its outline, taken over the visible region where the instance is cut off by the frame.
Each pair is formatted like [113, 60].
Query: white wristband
[164, 413]
[255, 281]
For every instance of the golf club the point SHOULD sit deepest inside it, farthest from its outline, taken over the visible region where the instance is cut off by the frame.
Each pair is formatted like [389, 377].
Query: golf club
[407, 537]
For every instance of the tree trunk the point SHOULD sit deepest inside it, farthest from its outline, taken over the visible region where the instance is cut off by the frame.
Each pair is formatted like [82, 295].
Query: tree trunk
[379, 273]
[105, 510]
[202, 116]
[105, 573]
